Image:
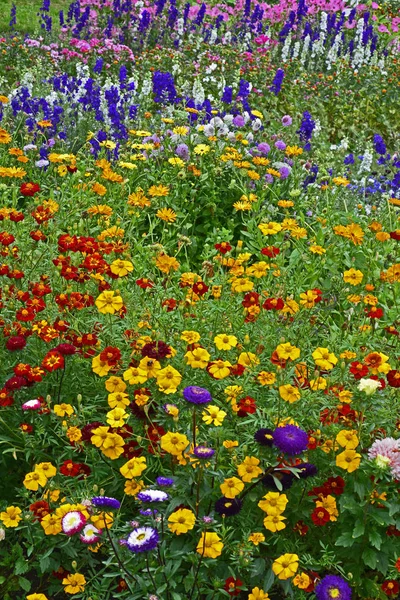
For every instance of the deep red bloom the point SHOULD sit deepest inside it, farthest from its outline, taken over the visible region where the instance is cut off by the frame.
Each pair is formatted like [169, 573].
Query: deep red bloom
[397, 565]
[390, 587]
[232, 586]
[65, 349]
[69, 468]
[169, 304]
[144, 283]
[29, 189]
[132, 449]
[25, 315]
[111, 355]
[17, 342]
[40, 509]
[237, 370]
[246, 405]
[334, 485]
[281, 362]
[395, 235]
[374, 312]
[6, 239]
[6, 398]
[26, 428]
[358, 369]
[200, 288]
[52, 361]
[393, 378]
[251, 299]
[156, 350]
[223, 247]
[320, 516]
[301, 528]
[393, 531]
[270, 251]
[273, 304]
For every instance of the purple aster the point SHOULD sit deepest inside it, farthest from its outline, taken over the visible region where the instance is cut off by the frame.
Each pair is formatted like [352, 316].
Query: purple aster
[285, 479]
[264, 148]
[333, 586]
[148, 512]
[290, 439]
[164, 481]
[152, 496]
[286, 121]
[264, 437]
[182, 151]
[306, 470]
[285, 172]
[203, 452]
[280, 145]
[238, 121]
[228, 507]
[142, 539]
[196, 395]
[106, 502]
[268, 178]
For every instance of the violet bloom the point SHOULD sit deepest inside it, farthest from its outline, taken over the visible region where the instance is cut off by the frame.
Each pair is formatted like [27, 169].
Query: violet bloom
[286, 121]
[238, 121]
[290, 439]
[203, 452]
[285, 172]
[280, 145]
[333, 586]
[268, 178]
[143, 539]
[197, 395]
[264, 148]
[182, 151]
[105, 502]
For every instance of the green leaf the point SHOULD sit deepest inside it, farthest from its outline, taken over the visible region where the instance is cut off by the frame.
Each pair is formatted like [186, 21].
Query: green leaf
[375, 539]
[269, 580]
[358, 529]
[21, 566]
[346, 540]
[24, 583]
[383, 562]
[369, 556]
[44, 563]
[258, 567]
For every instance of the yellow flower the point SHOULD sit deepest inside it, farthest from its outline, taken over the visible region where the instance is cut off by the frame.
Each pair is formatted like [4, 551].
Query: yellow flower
[180, 130]
[274, 523]
[100, 367]
[166, 214]
[302, 581]
[36, 597]
[118, 400]
[256, 538]
[273, 503]
[324, 358]
[150, 366]
[341, 181]
[293, 151]
[202, 149]
[74, 434]
[166, 263]
[230, 444]
[11, 516]
[266, 378]
[158, 191]
[289, 393]
[249, 469]
[132, 487]
[286, 566]
[287, 351]
[134, 375]
[231, 487]
[270, 228]
[121, 267]
[347, 438]
[353, 276]
[248, 359]
[168, 380]
[117, 417]
[181, 521]
[174, 443]
[115, 384]
[240, 205]
[212, 415]
[34, 480]
[63, 409]
[257, 594]
[134, 467]
[113, 445]
[225, 341]
[109, 303]
[51, 524]
[329, 503]
[317, 249]
[175, 161]
[349, 460]
[197, 358]
[191, 337]
[220, 369]
[210, 545]
[46, 468]
[99, 435]
[74, 583]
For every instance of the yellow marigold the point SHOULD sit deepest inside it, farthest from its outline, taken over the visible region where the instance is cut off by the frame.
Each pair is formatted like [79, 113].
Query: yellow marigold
[63, 409]
[138, 199]
[100, 367]
[51, 524]
[341, 181]
[242, 285]
[231, 487]
[115, 384]
[286, 351]
[289, 393]
[167, 215]
[248, 359]
[257, 594]
[100, 209]
[191, 337]
[74, 583]
[210, 545]
[134, 375]
[293, 151]
[317, 249]
[134, 467]
[273, 503]
[220, 369]
[121, 267]
[166, 263]
[168, 380]
[11, 516]
[113, 446]
[174, 443]
[230, 444]
[118, 400]
[109, 302]
[34, 480]
[353, 276]
[256, 538]
[157, 191]
[270, 228]
[324, 358]
[181, 521]
[132, 487]
[349, 460]
[266, 378]
[329, 503]
[224, 341]
[285, 203]
[302, 581]
[347, 438]
[74, 434]
[286, 566]
[99, 189]
[249, 469]
[213, 415]
[274, 523]
[239, 205]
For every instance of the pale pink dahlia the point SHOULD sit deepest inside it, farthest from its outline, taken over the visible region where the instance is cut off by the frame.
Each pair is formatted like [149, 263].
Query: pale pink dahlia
[387, 452]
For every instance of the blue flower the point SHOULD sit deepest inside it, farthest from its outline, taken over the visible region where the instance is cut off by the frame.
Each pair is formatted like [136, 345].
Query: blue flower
[106, 502]
[142, 539]
[333, 586]
[197, 395]
[290, 439]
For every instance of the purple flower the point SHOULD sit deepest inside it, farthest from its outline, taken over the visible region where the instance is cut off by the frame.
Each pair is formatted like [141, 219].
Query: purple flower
[203, 452]
[164, 481]
[285, 172]
[152, 496]
[306, 470]
[197, 395]
[285, 479]
[333, 586]
[238, 121]
[290, 439]
[106, 502]
[286, 121]
[280, 145]
[182, 151]
[268, 178]
[148, 512]
[142, 539]
[264, 437]
[264, 148]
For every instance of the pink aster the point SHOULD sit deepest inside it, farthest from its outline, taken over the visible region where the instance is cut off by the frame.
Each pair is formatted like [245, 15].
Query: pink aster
[387, 451]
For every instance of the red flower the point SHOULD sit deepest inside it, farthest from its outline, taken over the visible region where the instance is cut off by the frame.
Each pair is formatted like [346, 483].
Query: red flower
[393, 378]
[200, 288]
[374, 313]
[273, 304]
[17, 342]
[5, 398]
[251, 299]
[26, 428]
[281, 362]
[270, 251]
[395, 235]
[390, 587]
[246, 405]
[334, 485]
[358, 369]
[65, 349]
[237, 370]
[25, 314]
[29, 189]
[397, 565]
[110, 355]
[144, 283]
[40, 509]
[69, 468]
[301, 528]
[223, 247]
[52, 361]
[169, 304]
[232, 586]
[320, 516]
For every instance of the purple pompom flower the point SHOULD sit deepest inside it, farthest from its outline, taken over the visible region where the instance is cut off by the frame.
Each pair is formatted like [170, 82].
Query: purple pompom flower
[203, 452]
[333, 586]
[290, 439]
[142, 539]
[197, 395]
[264, 148]
[286, 121]
[164, 481]
[106, 502]
[280, 145]
[152, 496]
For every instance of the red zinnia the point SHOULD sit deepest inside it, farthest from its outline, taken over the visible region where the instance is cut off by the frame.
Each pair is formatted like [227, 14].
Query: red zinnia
[69, 468]
[390, 587]
[358, 369]
[273, 304]
[320, 516]
[270, 251]
[17, 342]
[200, 288]
[393, 378]
[246, 405]
[374, 313]
[232, 586]
[144, 283]
[223, 247]
[251, 299]
[29, 189]
[52, 361]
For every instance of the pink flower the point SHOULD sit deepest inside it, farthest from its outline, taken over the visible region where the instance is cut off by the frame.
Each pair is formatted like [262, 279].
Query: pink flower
[387, 451]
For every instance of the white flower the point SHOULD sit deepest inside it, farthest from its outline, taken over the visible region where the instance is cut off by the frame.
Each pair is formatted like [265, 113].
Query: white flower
[369, 386]
[2, 534]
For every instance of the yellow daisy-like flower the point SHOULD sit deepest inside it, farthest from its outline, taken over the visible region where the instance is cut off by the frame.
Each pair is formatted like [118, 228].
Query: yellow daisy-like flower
[174, 443]
[220, 369]
[257, 594]
[324, 358]
[134, 467]
[51, 524]
[224, 341]
[317, 249]
[249, 469]
[353, 276]
[231, 487]
[133, 375]
[181, 521]
[167, 215]
[157, 191]
[191, 337]
[270, 228]
[109, 302]
[74, 583]
[274, 523]
[34, 480]
[11, 516]
[289, 393]
[210, 545]
[286, 566]
[266, 378]
[176, 162]
[202, 149]
[349, 460]
[256, 538]
[273, 503]
[239, 205]
[168, 380]
[213, 415]
[293, 151]
[348, 439]
[121, 267]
